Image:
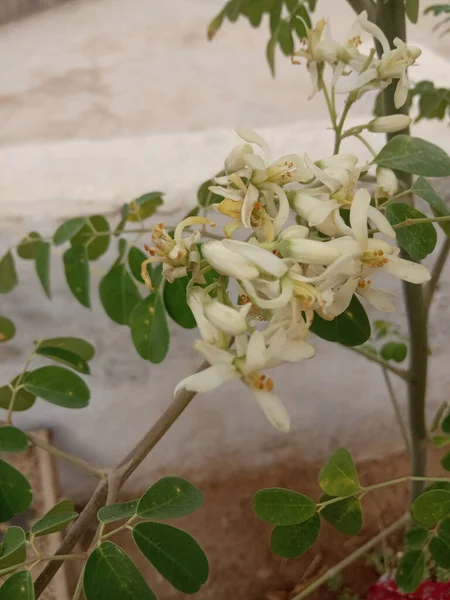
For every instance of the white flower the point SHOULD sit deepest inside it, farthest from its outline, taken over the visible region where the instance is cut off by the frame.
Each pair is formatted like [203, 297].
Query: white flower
[389, 124]
[226, 318]
[226, 366]
[235, 161]
[387, 183]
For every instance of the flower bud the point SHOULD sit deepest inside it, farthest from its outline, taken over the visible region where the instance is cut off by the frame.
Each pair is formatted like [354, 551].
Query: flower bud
[310, 252]
[389, 124]
[387, 183]
[235, 160]
[227, 262]
[227, 319]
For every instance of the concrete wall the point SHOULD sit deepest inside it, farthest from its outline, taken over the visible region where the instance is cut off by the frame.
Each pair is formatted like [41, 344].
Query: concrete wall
[10, 10]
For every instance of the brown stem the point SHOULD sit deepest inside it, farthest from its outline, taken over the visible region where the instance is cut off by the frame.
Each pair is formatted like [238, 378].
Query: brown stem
[437, 271]
[123, 471]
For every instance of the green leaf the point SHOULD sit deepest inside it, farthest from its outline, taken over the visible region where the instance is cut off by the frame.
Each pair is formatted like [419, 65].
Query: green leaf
[292, 540]
[418, 240]
[445, 425]
[149, 329]
[68, 230]
[123, 220]
[174, 553]
[275, 16]
[13, 548]
[72, 344]
[440, 208]
[12, 440]
[8, 275]
[270, 51]
[445, 461]
[116, 512]
[285, 38]
[66, 357]
[414, 155]
[339, 476]
[350, 328]
[135, 259]
[23, 400]
[345, 515]
[282, 507]
[56, 519]
[412, 10]
[205, 197]
[144, 206]
[15, 492]
[168, 498]
[28, 246]
[394, 351]
[416, 537]
[119, 294]
[18, 587]
[431, 506]
[175, 301]
[76, 267]
[440, 545]
[410, 571]
[42, 262]
[95, 235]
[58, 386]
[110, 574]
[7, 329]
[440, 441]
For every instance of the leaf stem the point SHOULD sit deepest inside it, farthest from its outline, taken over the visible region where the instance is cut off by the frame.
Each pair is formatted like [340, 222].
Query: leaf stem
[18, 385]
[436, 272]
[397, 411]
[363, 140]
[352, 557]
[384, 364]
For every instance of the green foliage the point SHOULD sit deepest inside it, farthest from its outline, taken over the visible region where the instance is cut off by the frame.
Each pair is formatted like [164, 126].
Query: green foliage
[68, 230]
[76, 345]
[12, 439]
[440, 208]
[174, 553]
[438, 10]
[431, 506]
[394, 351]
[13, 548]
[418, 240]
[95, 236]
[110, 574]
[339, 476]
[412, 10]
[145, 206]
[345, 515]
[433, 102]
[42, 262]
[7, 329]
[76, 268]
[350, 328]
[56, 519]
[15, 492]
[293, 540]
[445, 461]
[410, 571]
[416, 537]
[18, 587]
[119, 294]
[414, 155]
[205, 197]
[66, 357]
[168, 498]
[282, 507]
[174, 296]
[8, 275]
[116, 512]
[58, 386]
[440, 544]
[149, 329]
[23, 400]
[28, 246]
[135, 259]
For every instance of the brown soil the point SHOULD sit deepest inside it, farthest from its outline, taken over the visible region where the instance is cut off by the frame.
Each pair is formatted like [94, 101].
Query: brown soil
[237, 543]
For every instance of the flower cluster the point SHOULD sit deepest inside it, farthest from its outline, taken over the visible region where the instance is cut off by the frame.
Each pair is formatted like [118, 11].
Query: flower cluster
[308, 247]
[362, 72]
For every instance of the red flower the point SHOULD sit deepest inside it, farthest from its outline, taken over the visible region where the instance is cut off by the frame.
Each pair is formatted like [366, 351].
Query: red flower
[428, 590]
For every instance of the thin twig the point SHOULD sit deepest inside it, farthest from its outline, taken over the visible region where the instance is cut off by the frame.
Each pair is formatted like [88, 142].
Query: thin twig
[124, 470]
[352, 557]
[398, 414]
[436, 272]
[80, 462]
[396, 370]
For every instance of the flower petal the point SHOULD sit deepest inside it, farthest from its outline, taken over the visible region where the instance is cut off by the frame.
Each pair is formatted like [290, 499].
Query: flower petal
[358, 217]
[343, 297]
[251, 136]
[209, 379]
[296, 350]
[380, 299]
[226, 262]
[273, 408]
[263, 259]
[380, 222]
[255, 359]
[213, 354]
[247, 207]
[406, 270]
[278, 302]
